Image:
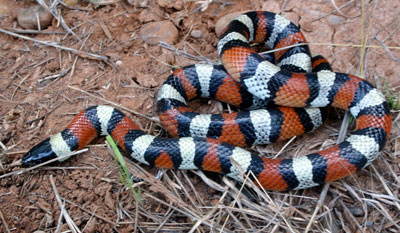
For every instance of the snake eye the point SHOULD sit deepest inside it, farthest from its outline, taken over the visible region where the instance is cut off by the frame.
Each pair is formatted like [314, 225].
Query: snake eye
[39, 154]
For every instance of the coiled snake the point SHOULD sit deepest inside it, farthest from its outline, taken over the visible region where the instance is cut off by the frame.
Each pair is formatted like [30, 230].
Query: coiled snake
[210, 142]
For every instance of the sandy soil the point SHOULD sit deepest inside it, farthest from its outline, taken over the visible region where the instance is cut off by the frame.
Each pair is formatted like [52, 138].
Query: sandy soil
[42, 88]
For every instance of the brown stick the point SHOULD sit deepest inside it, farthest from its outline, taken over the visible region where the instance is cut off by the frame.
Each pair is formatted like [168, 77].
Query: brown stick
[80, 53]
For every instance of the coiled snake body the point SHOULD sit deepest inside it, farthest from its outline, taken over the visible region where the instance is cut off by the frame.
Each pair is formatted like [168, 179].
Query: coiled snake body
[209, 141]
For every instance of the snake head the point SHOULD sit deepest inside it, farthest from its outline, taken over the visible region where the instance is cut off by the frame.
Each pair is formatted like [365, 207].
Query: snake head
[39, 154]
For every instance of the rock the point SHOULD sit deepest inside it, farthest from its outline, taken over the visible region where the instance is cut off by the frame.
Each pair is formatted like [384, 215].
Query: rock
[71, 2]
[153, 33]
[224, 21]
[314, 13]
[335, 19]
[27, 18]
[196, 34]
[148, 15]
[176, 4]
[307, 26]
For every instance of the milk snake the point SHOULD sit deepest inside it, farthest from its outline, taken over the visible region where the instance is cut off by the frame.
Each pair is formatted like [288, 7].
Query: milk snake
[260, 83]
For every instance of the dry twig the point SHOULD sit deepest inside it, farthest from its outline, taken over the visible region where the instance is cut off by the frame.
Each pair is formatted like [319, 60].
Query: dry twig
[51, 44]
[71, 224]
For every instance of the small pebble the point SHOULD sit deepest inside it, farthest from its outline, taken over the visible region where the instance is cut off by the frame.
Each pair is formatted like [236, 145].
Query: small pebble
[28, 17]
[176, 4]
[307, 26]
[196, 34]
[148, 15]
[335, 19]
[369, 223]
[71, 2]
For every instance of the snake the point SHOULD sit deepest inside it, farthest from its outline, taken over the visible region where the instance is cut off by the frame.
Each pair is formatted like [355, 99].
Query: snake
[282, 95]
